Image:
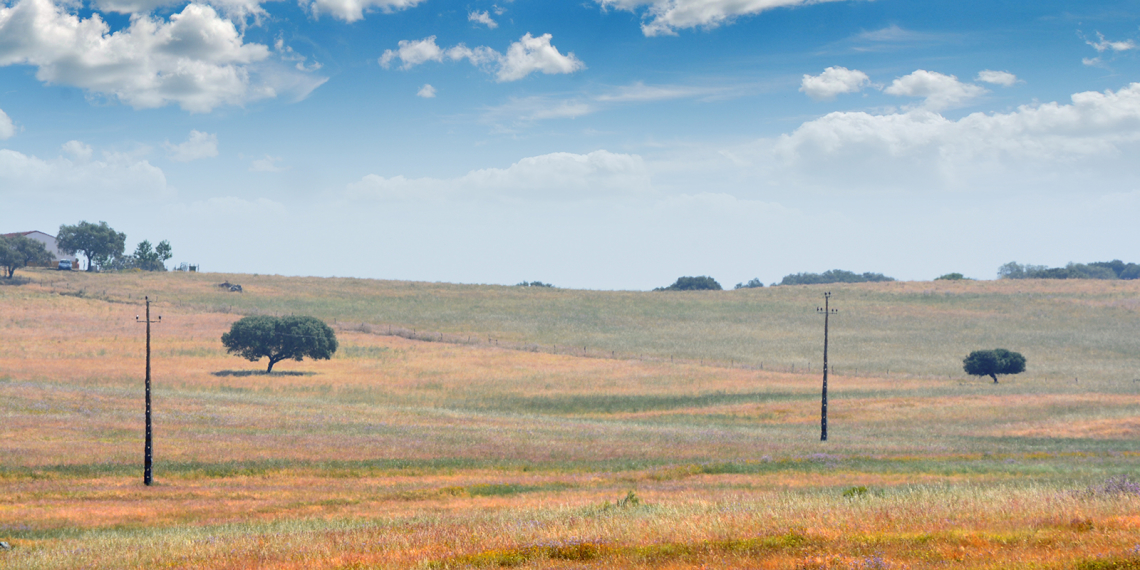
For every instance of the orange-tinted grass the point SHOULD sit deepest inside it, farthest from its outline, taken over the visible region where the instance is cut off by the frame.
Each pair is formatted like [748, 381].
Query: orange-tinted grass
[394, 454]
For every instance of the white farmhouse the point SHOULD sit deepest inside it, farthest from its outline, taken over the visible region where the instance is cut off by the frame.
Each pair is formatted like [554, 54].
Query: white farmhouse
[50, 245]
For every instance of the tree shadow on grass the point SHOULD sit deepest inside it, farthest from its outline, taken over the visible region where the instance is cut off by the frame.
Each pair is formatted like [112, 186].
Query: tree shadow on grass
[262, 373]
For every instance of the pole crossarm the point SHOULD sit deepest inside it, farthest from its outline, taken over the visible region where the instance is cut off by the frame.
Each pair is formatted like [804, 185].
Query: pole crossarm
[148, 446]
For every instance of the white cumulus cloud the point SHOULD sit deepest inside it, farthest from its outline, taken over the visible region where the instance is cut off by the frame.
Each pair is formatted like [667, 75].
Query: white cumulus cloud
[1094, 133]
[832, 82]
[412, 53]
[482, 18]
[195, 59]
[238, 11]
[199, 145]
[7, 127]
[528, 55]
[353, 10]
[665, 17]
[531, 54]
[558, 176]
[939, 91]
[1003, 78]
[427, 91]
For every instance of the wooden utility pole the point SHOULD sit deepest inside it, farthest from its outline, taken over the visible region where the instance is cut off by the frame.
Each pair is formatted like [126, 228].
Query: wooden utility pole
[826, 311]
[147, 450]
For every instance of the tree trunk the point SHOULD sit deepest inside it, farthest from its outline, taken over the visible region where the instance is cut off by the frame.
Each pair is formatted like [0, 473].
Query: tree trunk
[994, 376]
[271, 363]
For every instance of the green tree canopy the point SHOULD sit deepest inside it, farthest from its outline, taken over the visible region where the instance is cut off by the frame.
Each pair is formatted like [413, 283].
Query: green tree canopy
[21, 251]
[753, 283]
[703, 282]
[993, 362]
[280, 338]
[151, 259]
[99, 243]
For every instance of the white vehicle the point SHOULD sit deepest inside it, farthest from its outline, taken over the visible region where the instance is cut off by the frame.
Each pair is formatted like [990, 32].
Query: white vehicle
[64, 265]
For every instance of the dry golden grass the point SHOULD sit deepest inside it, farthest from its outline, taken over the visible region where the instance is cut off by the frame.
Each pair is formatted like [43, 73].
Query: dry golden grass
[401, 453]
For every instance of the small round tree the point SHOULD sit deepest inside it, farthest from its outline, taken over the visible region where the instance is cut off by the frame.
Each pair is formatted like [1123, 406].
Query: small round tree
[993, 362]
[280, 339]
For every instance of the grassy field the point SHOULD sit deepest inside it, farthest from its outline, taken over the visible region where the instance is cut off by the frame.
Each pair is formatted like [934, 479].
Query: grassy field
[485, 426]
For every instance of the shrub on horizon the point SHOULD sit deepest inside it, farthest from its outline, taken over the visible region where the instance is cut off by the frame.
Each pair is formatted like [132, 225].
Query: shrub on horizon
[702, 283]
[950, 277]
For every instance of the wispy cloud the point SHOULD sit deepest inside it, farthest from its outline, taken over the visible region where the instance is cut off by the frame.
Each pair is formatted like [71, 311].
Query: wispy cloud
[199, 145]
[639, 91]
[1101, 46]
[482, 18]
[890, 38]
[524, 111]
[520, 112]
[267, 164]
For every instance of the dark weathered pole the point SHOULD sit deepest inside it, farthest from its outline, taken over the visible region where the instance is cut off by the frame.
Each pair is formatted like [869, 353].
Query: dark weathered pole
[827, 311]
[148, 455]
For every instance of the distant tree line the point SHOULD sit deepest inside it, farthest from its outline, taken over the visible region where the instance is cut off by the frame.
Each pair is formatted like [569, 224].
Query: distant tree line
[105, 248]
[833, 276]
[1114, 269]
[705, 283]
[534, 284]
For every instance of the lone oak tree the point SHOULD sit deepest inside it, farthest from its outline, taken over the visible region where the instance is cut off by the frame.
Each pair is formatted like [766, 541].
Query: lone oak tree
[99, 243]
[280, 339]
[993, 362]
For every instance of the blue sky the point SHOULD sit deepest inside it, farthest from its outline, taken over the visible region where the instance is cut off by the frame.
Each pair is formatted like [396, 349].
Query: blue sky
[604, 144]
